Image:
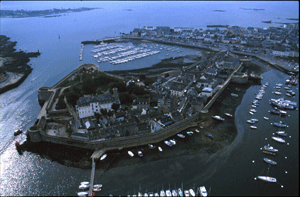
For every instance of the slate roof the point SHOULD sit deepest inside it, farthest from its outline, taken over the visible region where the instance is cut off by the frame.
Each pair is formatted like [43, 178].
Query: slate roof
[103, 98]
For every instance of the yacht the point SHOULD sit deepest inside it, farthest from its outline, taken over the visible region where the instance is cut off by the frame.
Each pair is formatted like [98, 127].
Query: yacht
[218, 118]
[270, 161]
[267, 179]
[103, 157]
[162, 193]
[130, 153]
[174, 193]
[192, 192]
[180, 193]
[253, 127]
[281, 133]
[168, 143]
[278, 139]
[160, 149]
[270, 148]
[203, 191]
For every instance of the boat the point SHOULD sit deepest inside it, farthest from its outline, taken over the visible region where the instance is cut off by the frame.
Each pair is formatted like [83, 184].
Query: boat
[160, 149]
[234, 95]
[82, 193]
[202, 191]
[96, 189]
[174, 192]
[197, 131]
[190, 133]
[130, 153]
[180, 193]
[270, 161]
[281, 133]
[173, 141]
[83, 186]
[151, 146]
[186, 193]
[103, 157]
[210, 135]
[181, 135]
[218, 118]
[267, 21]
[168, 193]
[228, 114]
[267, 179]
[253, 110]
[250, 121]
[254, 119]
[266, 118]
[277, 93]
[168, 143]
[253, 127]
[156, 194]
[192, 192]
[98, 186]
[270, 148]
[278, 139]
[85, 183]
[140, 153]
[17, 132]
[250, 112]
[162, 193]
[279, 124]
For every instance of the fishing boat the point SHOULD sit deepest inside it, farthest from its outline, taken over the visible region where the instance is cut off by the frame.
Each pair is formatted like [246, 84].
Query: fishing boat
[103, 157]
[270, 161]
[270, 148]
[85, 183]
[192, 192]
[234, 95]
[253, 110]
[267, 179]
[266, 118]
[281, 133]
[202, 191]
[278, 139]
[168, 143]
[190, 133]
[250, 112]
[277, 93]
[173, 141]
[181, 135]
[130, 153]
[160, 149]
[197, 131]
[209, 135]
[228, 114]
[83, 186]
[218, 118]
[140, 153]
[96, 189]
[17, 132]
[254, 119]
[253, 127]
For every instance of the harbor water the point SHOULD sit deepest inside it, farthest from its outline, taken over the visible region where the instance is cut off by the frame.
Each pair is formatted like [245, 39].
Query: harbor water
[230, 171]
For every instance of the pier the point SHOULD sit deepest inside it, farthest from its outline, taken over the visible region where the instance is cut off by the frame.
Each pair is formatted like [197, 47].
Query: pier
[92, 177]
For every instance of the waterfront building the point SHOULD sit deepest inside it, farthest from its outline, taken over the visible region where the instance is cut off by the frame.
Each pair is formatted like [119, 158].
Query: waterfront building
[141, 103]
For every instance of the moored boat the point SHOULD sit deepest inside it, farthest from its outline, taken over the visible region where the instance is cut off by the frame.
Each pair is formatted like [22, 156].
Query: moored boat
[103, 157]
[279, 124]
[180, 193]
[186, 193]
[234, 95]
[209, 135]
[197, 131]
[281, 133]
[162, 193]
[192, 192]
[190, 133]
[270, 148]
[130, 153]
[253, 127]
[151, 146]
[266, 118]
[218, 118]
[267, 179]
[140, 153]
[278, 139]
[202, 191]
[83, 187]
[160, 149]
[250, 121]
[181, 135]
[82, 193]
[168, 143]
[168, 193]
[270, 161]
[228, 114]
[174, 192]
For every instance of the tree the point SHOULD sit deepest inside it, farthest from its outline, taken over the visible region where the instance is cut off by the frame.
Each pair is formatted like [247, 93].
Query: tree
[125, 98]
[142, 77]
[72, 97]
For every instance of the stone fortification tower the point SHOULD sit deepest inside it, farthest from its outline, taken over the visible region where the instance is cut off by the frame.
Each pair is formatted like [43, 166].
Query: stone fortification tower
[116, 95]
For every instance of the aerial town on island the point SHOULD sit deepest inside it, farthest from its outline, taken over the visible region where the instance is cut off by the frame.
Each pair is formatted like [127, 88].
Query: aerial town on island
[102, 111]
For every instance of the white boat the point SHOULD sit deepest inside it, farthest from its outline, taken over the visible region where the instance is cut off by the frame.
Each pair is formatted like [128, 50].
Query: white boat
[266, 118]
[234, 95]
[160, 149]
[168, 143]
[267, 179]
[174, 193]
[162, 193]
[254, 119]
[192, 192]
[250, 121]
[218, 118]
[277, 93]
[96, 189]
[130, 153]
[186, 193]
[278, 139]
[281, 133]
[140, 154]
[180, 193]
[168, 193]
[173, 141]
[253, 127]
[82, 193]
[84, 183]
[203, 191]
[103, 157]
[156, 194]
[228, 114]
[253, 110]
[270, 148]
[197, 131]
[98, 185]
[190, 133]
[83, 186]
